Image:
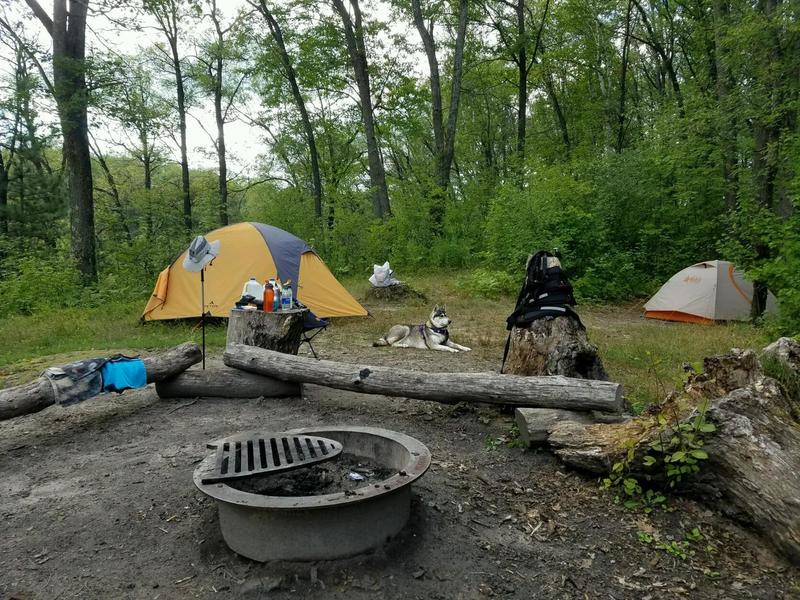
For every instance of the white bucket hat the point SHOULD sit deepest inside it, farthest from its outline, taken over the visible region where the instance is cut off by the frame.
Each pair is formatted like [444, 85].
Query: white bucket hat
[200, 253]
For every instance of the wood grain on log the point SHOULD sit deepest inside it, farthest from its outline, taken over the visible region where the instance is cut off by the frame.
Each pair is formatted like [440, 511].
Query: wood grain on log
[553, 346]
[38, 395]
[224, 382]
[753, 469]
[280, 331]
[547, 392]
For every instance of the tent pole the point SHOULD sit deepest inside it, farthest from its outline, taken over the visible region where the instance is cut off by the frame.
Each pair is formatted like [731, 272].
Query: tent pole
[203, 311]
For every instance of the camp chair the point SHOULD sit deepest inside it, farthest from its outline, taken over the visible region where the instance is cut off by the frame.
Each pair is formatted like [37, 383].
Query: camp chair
[312, 327]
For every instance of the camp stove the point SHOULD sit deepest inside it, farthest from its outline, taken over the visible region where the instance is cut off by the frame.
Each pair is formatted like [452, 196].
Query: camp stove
[310, 527]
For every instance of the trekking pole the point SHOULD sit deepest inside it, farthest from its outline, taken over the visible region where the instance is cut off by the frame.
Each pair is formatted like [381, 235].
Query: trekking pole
[203, 311]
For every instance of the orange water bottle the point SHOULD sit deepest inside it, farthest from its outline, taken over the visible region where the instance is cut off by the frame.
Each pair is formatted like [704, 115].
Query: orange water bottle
[269, 297]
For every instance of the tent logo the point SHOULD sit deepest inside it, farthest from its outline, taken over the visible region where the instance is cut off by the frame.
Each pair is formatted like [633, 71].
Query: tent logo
[692, 279]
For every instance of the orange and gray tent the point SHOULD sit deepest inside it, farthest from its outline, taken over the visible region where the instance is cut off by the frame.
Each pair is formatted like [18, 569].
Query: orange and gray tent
[703, 293]
[250, 250]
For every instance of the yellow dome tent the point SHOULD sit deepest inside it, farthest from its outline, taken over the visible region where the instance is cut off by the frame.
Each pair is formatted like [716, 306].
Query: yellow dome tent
[250, 250]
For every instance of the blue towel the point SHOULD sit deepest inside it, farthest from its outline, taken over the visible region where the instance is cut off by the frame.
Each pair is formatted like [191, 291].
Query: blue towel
[124, 374]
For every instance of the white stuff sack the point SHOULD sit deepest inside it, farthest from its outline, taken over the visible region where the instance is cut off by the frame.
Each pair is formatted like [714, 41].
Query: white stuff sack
[382, 276]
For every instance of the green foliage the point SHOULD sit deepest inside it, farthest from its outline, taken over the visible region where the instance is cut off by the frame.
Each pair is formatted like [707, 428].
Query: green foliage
[679, 447]
[488, 284]
[678, 450]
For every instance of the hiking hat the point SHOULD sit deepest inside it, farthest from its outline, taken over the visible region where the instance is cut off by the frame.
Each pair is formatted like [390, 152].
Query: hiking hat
[200, 253]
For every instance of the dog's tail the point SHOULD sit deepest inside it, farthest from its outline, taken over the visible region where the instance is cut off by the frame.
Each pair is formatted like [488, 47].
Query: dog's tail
[381, 342]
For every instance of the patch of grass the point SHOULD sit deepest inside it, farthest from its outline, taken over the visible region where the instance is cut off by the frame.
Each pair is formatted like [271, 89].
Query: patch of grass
[644, 355]
[647, 356]
[43, 339]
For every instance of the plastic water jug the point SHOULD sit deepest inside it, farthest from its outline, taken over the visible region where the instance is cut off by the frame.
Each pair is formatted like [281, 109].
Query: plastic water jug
[253, 288]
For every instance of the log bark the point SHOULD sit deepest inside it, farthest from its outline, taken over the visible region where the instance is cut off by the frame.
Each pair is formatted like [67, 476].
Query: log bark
[753, 469]
[38, 395]
[224, 382]
[553, 346]
[449, 388]
[280, 331]
[535, 424]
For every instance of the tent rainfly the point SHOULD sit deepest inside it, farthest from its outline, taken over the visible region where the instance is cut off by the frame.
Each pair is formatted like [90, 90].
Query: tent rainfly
[703, 293]
[250, 250]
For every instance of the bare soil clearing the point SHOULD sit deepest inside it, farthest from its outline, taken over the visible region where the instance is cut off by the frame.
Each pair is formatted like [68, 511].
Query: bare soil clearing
[97, 501]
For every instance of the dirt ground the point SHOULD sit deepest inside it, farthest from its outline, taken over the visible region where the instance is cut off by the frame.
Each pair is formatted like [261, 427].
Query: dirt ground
[97, 501]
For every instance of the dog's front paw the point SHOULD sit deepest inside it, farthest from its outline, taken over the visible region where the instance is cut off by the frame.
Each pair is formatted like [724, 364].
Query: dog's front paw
[465, 349]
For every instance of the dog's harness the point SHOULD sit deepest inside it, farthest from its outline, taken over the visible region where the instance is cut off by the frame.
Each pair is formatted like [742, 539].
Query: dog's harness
[440, 330]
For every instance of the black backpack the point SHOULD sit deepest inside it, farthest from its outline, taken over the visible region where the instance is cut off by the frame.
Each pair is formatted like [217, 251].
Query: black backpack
[546, 292]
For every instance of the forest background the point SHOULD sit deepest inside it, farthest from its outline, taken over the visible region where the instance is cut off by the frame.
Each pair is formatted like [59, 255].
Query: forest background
[635, 136]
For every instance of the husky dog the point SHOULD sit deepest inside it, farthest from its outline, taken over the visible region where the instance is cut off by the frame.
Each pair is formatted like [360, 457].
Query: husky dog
[433, 335]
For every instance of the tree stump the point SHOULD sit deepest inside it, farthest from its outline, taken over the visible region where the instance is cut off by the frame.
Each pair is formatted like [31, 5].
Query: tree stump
[553, 346]
[280, 331]
[394, 293]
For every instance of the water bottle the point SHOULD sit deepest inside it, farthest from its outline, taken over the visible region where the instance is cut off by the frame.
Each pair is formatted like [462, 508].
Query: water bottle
[277, 290]
[286, 296]
[269, 298]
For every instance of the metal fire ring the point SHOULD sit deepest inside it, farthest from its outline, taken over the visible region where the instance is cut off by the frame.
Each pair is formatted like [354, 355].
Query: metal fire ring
[330, 525]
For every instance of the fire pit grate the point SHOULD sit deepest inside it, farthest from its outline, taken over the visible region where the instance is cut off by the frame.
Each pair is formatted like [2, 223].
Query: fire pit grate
[267, 453]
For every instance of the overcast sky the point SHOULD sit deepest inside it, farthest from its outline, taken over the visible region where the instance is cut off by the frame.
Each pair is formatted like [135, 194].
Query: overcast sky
[244, 143]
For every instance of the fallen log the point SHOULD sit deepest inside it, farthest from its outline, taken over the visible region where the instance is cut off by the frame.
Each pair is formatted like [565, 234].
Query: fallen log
[753, 468]
[224, 382]
[449, 388]
[38, 395]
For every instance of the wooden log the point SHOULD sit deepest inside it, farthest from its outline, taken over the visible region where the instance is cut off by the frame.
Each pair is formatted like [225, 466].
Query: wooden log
[38, 395]
[553, 346]
[753, 466]
[280, 331]
[224, 382]
[535, 424]
[449, 388]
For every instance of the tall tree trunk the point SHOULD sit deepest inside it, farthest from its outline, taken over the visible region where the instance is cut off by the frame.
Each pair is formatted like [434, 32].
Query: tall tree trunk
[455, 95]
[3, 195]
[429, 45]
[665, 57]
[113, 191]
[223, 165]
[522, 86]
[354, 37]
[560, 116]
[67, 28]
[623, 80]
[277, 35]
[727, 119]
[443, 135]
[180, 95]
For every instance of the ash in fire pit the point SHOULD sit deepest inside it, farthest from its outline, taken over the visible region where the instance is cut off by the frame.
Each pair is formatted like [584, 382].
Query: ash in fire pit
[346, 473]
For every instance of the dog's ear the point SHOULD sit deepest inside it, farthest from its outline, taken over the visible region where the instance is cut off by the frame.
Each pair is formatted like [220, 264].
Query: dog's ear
[435, 307]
